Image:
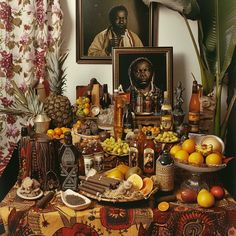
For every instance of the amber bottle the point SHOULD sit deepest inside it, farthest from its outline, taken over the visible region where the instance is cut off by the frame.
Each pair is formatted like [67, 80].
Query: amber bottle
[194, 109]
[166, 114]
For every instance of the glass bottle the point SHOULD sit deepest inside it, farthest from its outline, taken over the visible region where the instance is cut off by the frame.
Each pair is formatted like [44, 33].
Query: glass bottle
[70, 159]
[128, 122]
[148, 104]
[118, 116]
[194, 109]
[87, 154]
[134, 152]
[149, 154]
[140, 138]
[133, 99]
[165, 172]
[98, 157]
[105, 99]
[166, 121]
[139, 103]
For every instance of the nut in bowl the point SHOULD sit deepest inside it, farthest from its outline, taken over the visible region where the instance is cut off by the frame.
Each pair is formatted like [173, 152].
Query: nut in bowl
[75, 200]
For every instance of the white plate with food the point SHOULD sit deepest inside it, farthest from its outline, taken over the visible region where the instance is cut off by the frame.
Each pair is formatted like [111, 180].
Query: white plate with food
[74, 200]
[29, 196]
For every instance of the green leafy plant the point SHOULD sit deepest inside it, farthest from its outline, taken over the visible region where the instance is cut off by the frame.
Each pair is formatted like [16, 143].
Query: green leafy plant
[25, 104]
[216, 39]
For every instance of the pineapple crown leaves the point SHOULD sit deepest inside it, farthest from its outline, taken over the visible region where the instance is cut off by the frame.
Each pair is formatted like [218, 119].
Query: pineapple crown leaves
[56, 72]
[26, 103]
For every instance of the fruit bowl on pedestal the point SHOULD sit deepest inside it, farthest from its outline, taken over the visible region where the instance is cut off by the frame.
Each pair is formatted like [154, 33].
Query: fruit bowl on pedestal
[195, 180]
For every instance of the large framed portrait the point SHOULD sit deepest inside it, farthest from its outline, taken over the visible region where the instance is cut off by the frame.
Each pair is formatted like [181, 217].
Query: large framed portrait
[156, 62]
[100, 26]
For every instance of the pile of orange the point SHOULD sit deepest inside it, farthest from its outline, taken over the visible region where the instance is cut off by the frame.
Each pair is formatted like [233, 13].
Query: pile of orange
[57, 133]
[186, 152]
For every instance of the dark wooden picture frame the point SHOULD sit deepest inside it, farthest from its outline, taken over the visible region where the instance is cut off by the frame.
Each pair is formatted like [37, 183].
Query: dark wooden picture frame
[160, 57]
[92, 18]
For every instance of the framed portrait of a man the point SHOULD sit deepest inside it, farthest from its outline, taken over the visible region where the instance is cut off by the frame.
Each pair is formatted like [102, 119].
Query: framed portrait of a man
[102, 25]
[148, 70]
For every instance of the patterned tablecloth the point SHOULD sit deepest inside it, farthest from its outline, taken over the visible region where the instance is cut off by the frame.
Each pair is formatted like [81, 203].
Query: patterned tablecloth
[21, 217]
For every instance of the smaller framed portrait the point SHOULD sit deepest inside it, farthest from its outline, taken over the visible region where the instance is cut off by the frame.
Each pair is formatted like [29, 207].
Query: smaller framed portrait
[145, 69]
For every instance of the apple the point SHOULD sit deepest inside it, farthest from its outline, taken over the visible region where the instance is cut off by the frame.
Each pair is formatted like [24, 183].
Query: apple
[217, 191]
[188, 195]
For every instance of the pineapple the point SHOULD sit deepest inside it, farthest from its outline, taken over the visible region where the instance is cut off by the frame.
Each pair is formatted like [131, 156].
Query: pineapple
[57, 106]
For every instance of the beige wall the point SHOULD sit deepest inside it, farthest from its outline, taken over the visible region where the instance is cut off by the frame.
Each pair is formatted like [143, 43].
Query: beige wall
[172, 32]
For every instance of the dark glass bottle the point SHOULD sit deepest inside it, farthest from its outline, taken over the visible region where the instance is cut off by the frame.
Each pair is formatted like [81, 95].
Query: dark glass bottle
[149, 154]
[70, 161]
[165, 172]
[133, 98]
[128, 122]
[105, 99]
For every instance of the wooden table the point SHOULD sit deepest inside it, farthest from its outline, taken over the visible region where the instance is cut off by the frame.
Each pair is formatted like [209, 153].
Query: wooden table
[21, 217]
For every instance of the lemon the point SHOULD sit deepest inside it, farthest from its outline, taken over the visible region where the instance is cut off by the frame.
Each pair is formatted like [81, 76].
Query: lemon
[205, 198]
[122, 168]
[115, 174]
[136, 180]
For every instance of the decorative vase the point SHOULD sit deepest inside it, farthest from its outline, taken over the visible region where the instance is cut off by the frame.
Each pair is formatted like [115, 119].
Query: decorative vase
[41, 123]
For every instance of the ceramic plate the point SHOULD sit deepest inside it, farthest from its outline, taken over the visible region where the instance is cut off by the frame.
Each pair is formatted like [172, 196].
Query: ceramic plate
[18, 192]
[75, 207]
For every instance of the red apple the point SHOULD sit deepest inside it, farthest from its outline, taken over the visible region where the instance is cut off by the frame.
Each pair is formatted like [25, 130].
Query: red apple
[217, 191]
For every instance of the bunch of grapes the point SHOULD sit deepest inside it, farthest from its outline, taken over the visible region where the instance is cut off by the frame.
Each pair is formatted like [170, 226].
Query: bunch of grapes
[118, 147]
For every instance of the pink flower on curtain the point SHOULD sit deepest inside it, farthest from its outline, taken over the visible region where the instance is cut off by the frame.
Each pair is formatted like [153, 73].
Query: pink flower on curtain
[40, 64]
[5, 15]
[40, 13]
[6, 63]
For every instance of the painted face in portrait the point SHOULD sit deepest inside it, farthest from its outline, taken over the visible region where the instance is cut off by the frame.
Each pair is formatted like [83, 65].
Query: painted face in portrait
[141, 73]
[119, 23]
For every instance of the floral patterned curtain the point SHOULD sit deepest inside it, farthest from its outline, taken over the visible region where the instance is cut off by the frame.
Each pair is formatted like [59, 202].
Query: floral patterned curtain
[28, 29]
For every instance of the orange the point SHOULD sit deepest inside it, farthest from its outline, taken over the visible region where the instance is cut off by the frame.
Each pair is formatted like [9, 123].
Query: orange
[58, 131]
[189, 145]
[115, 174]
[163, 206]
[182, 155]
[136, 180]
[196, 158]
[147, 186]
[174, 149]
[214, 159]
